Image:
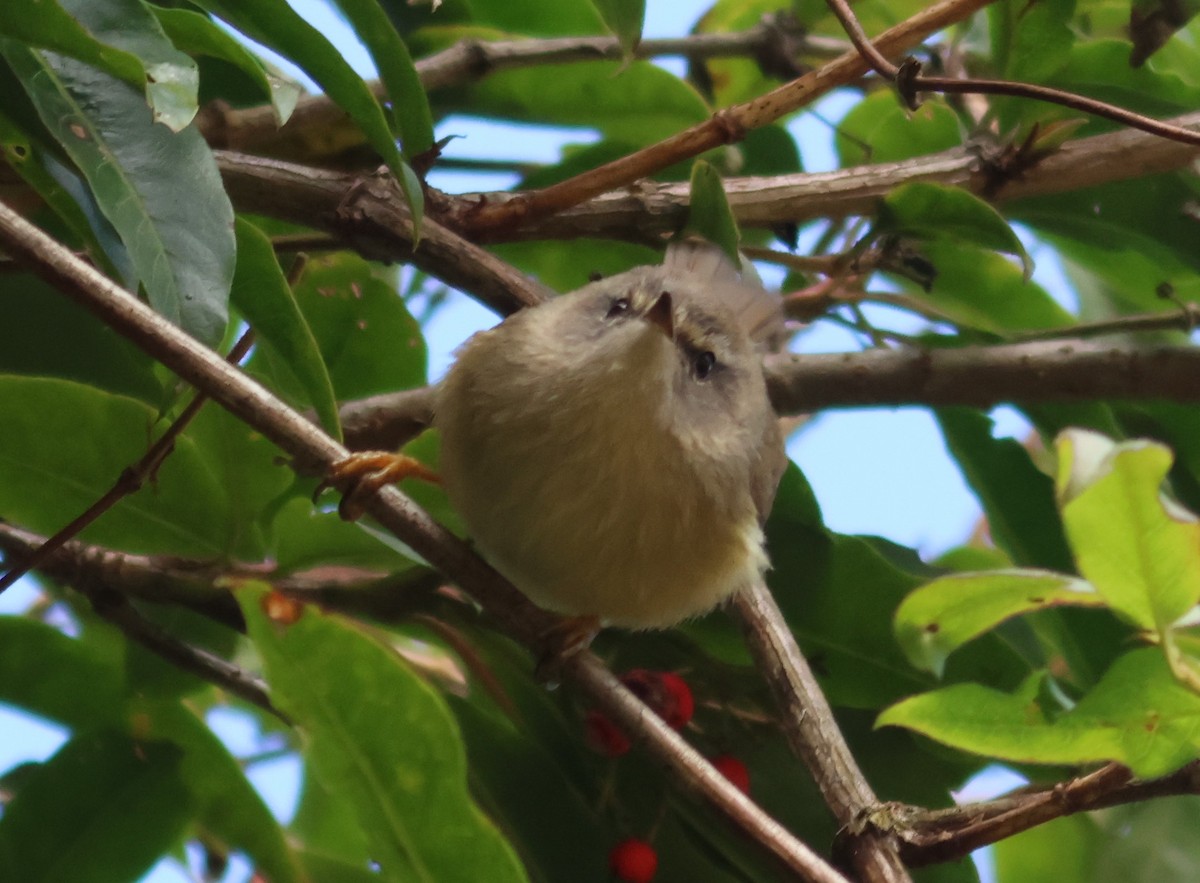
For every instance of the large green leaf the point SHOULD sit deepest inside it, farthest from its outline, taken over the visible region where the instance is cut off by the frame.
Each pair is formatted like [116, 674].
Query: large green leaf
[1139, 550]
[226, 803]
[389, 746]
[172, 79]
[63, 447]
[47, 335]
[102, 810]
[879, 129]
[44, 24]
[941, 616]
[368, 340]
[979, 288]
[160, 189]
[119, 37]
[1138, 715]
[60, 678]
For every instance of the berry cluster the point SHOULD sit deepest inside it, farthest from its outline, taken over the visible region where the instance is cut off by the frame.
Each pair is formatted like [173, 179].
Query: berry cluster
[668, 695]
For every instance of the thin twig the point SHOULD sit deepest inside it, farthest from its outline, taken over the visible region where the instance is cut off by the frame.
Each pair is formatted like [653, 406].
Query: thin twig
[117, 609]
[934, 836]
[131, 479]
[725, 127]
[306, 443]
[910, 81]
[256, 129]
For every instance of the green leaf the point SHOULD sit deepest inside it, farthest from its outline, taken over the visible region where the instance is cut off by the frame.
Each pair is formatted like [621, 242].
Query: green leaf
[1037, 36]
[941, 616]
[102, 810]
[624, 18]
[227, 805]
[1061, 851]
[49, 474]
[1017, 497]
[1138, 715]
[369, 341]
[277, 26]
[48, 335]
[172, 79]
[936, 211]
[879, 129]
[1139, 550]
[44, 24]
[197, 34]
[709, 214]
[389, 746]
[262, 295]
[980, 289]
[410, 106]
[160, 189]
[60, 678]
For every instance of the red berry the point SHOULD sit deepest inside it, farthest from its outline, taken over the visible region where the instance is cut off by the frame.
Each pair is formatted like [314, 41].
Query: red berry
[667, 694]
[603, 736]
[733, 770]
[680, 711]
[633, 861]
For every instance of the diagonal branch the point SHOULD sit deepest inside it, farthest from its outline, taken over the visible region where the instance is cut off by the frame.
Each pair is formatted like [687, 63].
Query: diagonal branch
[726, 127]
[305, 443]
[777, 42]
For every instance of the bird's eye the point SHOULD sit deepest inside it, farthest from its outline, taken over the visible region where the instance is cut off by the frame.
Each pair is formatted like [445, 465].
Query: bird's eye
[703, 363]
[618, 307]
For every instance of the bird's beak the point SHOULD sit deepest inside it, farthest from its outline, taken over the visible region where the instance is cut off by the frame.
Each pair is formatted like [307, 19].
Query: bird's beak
[662, 315]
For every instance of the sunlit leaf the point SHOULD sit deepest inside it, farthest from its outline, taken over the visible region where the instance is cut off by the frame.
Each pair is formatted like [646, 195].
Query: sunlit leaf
[1140, 550]
[943, 615]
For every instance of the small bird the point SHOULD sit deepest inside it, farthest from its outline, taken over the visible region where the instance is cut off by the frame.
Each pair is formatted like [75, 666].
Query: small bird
[612, 451]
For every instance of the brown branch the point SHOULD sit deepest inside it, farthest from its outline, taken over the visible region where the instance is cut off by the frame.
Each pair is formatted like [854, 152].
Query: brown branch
[1074, 101]
[776, 41]
[910, 81]
[387, 421]
[368, 214]
[364, 212]
[984, 376]
[306, 443]
[726, 127]
[934, 836]
[116, 609]
[814, 736]
[1038, 372]
[656, 210]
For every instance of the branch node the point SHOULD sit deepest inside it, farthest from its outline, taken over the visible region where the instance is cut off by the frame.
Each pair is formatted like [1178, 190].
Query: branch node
[907, 82]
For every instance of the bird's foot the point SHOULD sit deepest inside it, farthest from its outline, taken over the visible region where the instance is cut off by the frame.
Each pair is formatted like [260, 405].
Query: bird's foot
[565, 639]
[365, 472]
